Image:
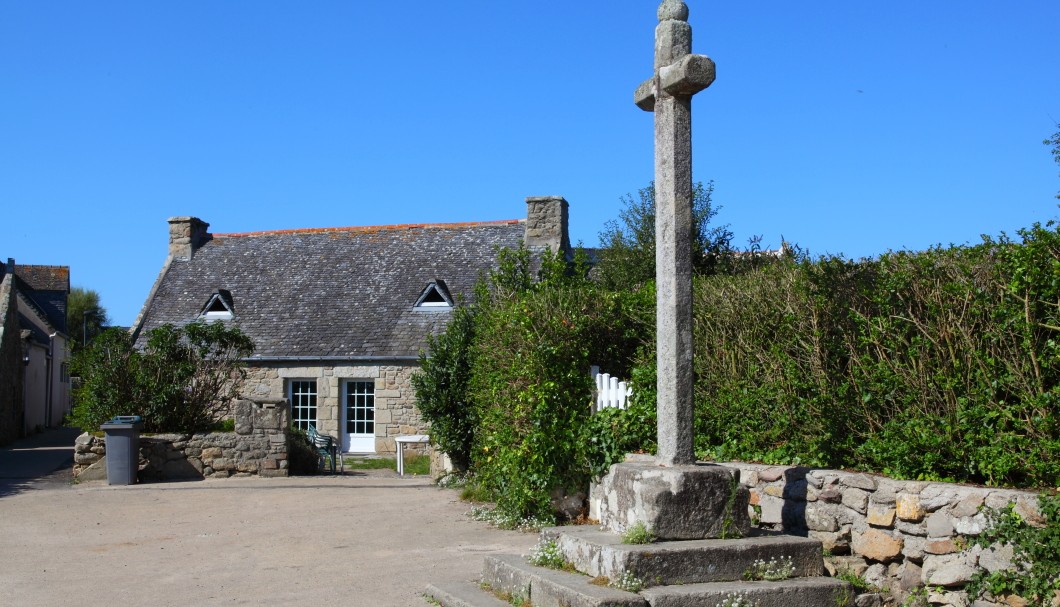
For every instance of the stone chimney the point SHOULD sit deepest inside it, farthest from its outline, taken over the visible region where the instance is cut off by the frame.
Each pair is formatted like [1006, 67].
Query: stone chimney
[546, 223]
[186, 235]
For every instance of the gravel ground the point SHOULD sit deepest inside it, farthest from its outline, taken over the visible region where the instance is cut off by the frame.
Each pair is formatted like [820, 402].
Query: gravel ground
[364, 539]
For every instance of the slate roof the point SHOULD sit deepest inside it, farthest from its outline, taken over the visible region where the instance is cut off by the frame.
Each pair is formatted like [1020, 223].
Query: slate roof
[332, 292]
[47, 288]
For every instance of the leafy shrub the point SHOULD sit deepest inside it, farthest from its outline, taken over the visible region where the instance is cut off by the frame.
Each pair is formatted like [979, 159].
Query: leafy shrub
[302, 457]
[938, 365]
[441, 387]
[182, 381]
[1035, 571]
[639, 533]
[530, 382]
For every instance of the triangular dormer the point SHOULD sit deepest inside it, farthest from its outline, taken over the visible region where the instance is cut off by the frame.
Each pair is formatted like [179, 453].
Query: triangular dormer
[435, 296]
[219, 307]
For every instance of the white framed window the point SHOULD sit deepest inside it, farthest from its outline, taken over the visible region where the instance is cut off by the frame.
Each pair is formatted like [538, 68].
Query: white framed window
[435, 296]
[219, 307]
[302, 394]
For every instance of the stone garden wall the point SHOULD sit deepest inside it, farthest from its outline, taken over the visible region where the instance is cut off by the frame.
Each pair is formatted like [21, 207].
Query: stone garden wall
[258, 447]
[896, 535]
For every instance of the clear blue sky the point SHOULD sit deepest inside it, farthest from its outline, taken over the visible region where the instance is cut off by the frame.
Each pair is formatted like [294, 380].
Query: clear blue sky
[845, 127]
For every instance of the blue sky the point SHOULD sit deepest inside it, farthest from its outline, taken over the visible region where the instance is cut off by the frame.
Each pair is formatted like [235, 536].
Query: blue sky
[845, 127]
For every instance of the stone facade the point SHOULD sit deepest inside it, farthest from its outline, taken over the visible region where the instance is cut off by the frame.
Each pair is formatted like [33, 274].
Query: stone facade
[258, 447]
[395, 400]
[10, 363]
[896, 535]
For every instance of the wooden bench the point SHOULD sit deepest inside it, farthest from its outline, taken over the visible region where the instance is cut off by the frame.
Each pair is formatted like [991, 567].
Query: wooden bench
[327, 448]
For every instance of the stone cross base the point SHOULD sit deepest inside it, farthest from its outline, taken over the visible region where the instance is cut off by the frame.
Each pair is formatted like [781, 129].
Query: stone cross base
[698, 501]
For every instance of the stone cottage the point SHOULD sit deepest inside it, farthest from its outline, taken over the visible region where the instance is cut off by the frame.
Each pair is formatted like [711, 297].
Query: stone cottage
[34, 375]
[338, 315]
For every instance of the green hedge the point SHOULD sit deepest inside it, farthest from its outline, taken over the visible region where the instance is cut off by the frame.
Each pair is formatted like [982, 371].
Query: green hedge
[934, 365]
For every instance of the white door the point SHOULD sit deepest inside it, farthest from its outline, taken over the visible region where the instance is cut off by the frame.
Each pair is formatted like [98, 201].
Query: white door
[358, 406]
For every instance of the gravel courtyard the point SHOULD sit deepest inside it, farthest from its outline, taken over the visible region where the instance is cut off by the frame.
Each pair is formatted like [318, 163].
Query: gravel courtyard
[364, 539]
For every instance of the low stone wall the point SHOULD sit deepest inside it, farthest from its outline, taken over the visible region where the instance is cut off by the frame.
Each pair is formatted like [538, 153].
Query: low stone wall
[896, 535]
[258, 447]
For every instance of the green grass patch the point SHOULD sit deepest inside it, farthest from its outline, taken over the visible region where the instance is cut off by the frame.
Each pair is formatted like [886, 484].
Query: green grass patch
[414, 464]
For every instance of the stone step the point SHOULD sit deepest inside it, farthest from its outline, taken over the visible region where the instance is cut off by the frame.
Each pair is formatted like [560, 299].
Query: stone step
[463, 594]
[803, 592]
[601, 553]
[551, 588]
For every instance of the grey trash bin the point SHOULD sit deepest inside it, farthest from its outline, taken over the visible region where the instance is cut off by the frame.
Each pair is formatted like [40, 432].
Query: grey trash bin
[123, 448]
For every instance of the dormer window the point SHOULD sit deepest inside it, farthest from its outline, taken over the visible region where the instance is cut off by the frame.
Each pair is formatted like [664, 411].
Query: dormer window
[434, 297]
[219, 307]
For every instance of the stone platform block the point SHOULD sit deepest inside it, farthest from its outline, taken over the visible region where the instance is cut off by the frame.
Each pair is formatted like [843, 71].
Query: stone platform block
[693, 502]
[804, 592]
[600, 553]
[463, 594]
[551, 588]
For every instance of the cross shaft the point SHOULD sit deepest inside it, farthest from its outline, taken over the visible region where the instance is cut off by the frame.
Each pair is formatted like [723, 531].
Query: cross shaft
[678, 75]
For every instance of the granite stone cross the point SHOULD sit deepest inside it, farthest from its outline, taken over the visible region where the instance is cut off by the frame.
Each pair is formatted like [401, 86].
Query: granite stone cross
[678, 75]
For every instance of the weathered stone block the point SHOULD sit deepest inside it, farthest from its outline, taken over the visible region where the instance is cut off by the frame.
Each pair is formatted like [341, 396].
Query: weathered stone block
[856, 499]
[880, 516]
[939, 524]
[821, 518]
[876, 545]
[675, 502]
[858, 481]
[949, 570]
[907, 507]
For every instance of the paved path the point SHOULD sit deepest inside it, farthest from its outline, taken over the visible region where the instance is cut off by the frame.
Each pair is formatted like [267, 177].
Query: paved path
[40, 459]
[364, 539]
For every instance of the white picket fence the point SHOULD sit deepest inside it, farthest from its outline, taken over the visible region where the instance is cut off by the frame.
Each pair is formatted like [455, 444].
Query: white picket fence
[610, 393]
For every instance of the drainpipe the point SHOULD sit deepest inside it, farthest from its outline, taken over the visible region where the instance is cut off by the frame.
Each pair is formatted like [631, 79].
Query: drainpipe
[49, 389]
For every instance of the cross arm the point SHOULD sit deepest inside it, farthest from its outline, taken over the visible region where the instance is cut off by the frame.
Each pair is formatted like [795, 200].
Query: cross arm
[688, 76]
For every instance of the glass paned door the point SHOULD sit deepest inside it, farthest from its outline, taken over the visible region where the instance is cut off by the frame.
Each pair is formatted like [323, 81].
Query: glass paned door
[359, 410]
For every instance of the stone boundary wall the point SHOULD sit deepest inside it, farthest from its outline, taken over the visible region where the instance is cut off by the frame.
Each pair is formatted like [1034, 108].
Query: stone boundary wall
[258, 447]
[896, 535]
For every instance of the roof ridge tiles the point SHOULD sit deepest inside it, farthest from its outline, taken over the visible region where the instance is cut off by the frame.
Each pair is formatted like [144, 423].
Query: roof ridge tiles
[403, 226]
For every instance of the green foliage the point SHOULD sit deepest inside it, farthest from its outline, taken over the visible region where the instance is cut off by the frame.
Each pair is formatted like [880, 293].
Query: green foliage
[85, 317]
[302, 457]
[529, 378]
[628, 582]
[772, 570]
[1035, 571]
[441, 387]
[1054, 142]
[547, 554]
[639, 533]
[627, 246]
[183, 380]
[938, 365]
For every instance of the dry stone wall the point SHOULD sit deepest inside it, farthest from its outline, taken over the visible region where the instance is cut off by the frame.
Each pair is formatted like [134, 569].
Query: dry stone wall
[896, 535]
[258, 447]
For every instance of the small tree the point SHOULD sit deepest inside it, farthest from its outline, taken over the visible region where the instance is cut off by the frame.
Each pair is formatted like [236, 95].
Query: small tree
[441, 387]
[627, 246]
[183, 381]
[85, 317]
[1054, 141]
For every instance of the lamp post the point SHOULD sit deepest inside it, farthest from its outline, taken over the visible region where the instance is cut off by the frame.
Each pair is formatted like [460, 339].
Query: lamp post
[84, 327]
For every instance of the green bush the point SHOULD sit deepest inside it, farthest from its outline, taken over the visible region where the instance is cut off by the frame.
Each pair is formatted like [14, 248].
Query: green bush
[1035, 571]
[182, 381]
[530, 382]
[441, 386]
[938, 365]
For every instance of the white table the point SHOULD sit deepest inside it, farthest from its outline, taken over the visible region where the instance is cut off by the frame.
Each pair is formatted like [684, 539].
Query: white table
[401, 441]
